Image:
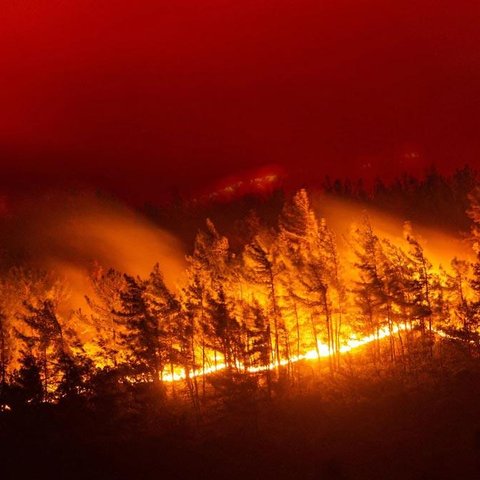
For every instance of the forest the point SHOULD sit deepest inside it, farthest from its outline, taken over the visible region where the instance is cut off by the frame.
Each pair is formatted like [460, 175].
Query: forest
[275, 319]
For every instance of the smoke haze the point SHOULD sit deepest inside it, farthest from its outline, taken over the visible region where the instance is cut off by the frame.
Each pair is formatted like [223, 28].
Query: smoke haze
[69, 233]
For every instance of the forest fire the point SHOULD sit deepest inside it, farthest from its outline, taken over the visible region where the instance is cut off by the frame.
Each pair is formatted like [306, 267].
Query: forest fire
[322, 351]
[278, 305]
[292, 292]
[239, 240]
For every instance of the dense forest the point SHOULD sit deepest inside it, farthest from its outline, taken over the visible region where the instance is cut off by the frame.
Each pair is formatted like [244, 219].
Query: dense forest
[285, 309]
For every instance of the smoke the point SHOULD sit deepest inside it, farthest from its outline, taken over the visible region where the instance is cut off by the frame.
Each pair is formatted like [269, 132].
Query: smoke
[69, 233]
[343, 216]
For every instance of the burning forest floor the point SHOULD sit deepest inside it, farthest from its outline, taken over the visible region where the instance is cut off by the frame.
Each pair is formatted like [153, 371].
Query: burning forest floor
[359, 423]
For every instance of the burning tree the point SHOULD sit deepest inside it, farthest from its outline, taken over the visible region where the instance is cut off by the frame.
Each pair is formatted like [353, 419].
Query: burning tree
[291, 291]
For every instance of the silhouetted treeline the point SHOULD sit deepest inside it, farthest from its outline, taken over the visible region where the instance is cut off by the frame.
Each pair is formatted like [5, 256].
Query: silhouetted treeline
[435, 199]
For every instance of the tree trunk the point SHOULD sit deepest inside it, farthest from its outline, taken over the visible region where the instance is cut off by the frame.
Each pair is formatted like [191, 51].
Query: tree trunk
[275, 320]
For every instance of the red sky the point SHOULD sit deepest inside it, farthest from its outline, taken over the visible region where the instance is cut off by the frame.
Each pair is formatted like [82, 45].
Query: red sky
[139, 96]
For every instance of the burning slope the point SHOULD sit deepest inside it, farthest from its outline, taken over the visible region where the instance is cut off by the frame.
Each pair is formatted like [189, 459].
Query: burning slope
[322, 351]
[304, 290]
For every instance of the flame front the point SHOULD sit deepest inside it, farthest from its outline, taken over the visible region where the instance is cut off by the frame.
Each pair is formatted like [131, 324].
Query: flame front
[316, 354]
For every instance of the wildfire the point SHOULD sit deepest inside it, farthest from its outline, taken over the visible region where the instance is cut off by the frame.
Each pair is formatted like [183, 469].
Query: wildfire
[316, 354]
[285, 294]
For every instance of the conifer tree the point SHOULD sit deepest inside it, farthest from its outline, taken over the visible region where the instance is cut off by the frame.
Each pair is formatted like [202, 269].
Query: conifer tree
[472, 320]
[421, 289]
[222, 329]
[207, 273]
[262, 269]
[108, 286]
[45, 339]
[370, 292]
[5, 354]
[165, 306]
[298, 237]
[463, 304]
[27, 380]
[330, 262]
[259, 336]
[144, 337]
[210, 256]
[312, 257]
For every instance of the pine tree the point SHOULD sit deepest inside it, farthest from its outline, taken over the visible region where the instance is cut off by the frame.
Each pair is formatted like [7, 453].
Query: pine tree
[207, 273]
[46, 340]
[259, 344]
[165, 306]
[262, 269]
[27, 380]
[5, 354]
[370, 291]
[463, 303]
[76, 371]
[298, 226]
[297, 238]
[184, 332]
[223, 330]
[472, 320]
[421, 287]
[334, 277]
[144, 338]
[310, 255]
[210, 256]
[397, 272]
[20, 285]
[108, 286]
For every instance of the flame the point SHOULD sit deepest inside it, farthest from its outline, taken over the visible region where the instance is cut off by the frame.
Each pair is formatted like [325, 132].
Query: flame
[68, 237]
[322, 352]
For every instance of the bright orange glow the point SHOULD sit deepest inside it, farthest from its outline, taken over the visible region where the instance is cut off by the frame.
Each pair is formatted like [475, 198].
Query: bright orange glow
[323, 352]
